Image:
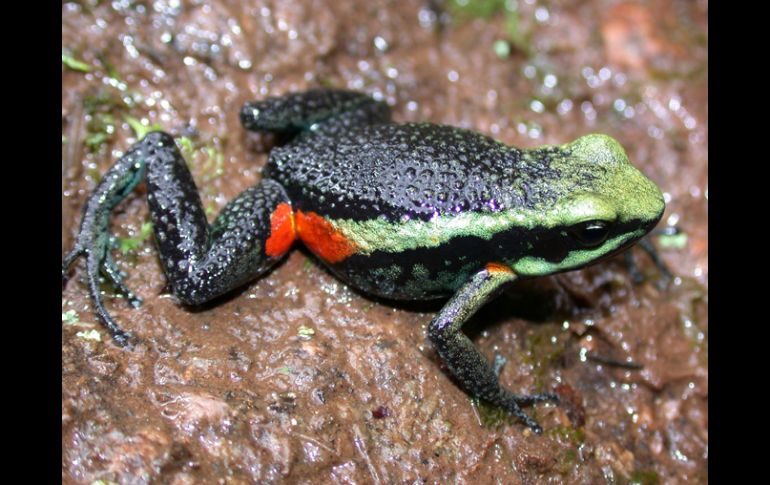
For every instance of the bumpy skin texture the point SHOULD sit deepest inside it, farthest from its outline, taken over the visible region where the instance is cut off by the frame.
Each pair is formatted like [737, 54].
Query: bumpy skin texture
[410, 170]
[410, 211]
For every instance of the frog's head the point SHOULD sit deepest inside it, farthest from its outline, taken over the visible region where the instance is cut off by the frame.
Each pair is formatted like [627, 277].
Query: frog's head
[603, 205]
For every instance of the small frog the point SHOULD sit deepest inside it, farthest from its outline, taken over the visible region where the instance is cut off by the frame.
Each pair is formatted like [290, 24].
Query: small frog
[413, 211]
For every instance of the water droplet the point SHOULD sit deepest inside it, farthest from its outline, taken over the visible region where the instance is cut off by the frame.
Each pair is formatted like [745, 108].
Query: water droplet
[380, 44]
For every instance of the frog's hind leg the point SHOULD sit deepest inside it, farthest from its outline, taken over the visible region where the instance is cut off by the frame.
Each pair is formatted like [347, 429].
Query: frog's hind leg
[326, 109]
[201, 262]
[463, 359]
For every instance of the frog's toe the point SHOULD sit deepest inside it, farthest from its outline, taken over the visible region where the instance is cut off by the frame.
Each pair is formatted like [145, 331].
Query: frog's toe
[531, 423]
[666, 276]
[67, 262]
[123, 339]
[512, 403]
[110, 269]
[513, 407]
[95, 262]
[498, 364]
[636, 276]
[535, 398]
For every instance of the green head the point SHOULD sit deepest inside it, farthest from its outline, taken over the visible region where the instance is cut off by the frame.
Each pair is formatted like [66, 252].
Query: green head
[603, 205]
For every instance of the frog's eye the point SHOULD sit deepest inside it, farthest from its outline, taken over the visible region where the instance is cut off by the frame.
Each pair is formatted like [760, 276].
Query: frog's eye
[591, 233]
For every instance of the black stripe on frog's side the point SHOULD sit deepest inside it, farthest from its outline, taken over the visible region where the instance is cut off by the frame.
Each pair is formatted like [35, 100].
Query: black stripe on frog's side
[417, 171]
[427, 272]
[437, 272]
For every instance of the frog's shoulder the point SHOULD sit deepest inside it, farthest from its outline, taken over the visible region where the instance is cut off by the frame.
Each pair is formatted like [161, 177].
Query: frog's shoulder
[393, 170]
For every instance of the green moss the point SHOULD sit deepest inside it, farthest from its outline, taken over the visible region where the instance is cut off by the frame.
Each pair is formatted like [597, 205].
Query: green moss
[305, 333]
[673, 241]
[129, 244]
[477, 8]
[502, 48]
[205, 159]
[644, 477]
[108, 67]
[187, 147]
[74, 64]
[139, 128]
[486, 9]
[101, 108]
[95, 140]
[70, 317]
[544, 346]
[566, 461]
[102, 101]
[520, 39]
[213, 167]
[574, 436]
[90, 335]
[491, 416]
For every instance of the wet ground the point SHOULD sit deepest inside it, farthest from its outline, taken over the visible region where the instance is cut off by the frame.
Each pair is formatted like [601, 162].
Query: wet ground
[299, 379]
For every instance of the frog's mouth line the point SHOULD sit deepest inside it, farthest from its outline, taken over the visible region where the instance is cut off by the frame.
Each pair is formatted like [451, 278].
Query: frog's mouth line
[631, 239]
[577, 259]
[621, 249]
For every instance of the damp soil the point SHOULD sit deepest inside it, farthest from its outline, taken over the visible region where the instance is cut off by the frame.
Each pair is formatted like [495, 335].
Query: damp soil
[296, 378]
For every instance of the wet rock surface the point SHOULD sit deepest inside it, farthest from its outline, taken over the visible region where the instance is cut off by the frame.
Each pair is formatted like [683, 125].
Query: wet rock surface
[297, 378]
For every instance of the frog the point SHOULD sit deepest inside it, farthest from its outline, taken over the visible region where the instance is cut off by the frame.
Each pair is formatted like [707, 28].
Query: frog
[398, 211]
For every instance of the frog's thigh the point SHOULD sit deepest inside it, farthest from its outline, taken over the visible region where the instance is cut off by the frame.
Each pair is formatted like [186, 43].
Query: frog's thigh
[203, 262]
[249, 236]
[463, 359]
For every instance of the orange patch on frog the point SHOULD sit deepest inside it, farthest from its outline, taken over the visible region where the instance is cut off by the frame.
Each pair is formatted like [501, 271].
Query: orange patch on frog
[321, 237]
[282, 231]
[498, 268]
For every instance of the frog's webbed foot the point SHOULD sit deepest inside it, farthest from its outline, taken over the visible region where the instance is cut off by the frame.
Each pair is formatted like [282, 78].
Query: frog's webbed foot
[464, 361]
[67, 262]
[91, 248]
[498, 364]
[513, 402]
[645, 244]
[94, 240]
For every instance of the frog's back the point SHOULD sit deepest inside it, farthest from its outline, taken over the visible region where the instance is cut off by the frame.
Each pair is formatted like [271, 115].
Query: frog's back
[400, 170]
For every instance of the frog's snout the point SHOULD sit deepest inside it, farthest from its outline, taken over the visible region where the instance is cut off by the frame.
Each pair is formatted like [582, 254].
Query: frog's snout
[658, 208]
[656, 203]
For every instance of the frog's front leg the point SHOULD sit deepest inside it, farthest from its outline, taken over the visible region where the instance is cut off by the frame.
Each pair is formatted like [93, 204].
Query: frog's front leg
[315, 109]
[646, 245]
[465, 362]
[201, 262]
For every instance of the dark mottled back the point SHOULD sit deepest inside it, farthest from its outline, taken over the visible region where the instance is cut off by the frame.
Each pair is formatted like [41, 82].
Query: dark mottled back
[417, 170]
